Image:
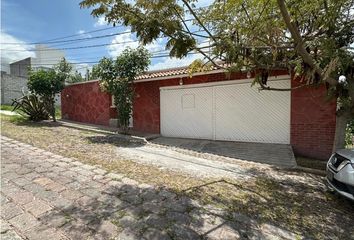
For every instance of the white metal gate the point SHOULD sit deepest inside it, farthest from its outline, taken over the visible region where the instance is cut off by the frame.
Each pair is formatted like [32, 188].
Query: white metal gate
[231, 110]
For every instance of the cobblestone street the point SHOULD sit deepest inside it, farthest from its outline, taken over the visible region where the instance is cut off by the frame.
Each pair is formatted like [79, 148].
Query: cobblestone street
[47, 196]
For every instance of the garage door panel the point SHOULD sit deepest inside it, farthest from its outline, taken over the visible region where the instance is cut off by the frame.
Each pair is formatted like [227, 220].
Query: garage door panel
[233, 112]
[187, 113]
[243, 113]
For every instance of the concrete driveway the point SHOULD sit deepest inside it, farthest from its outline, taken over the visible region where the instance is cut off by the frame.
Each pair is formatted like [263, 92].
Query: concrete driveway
[274, 154]
[204, 158]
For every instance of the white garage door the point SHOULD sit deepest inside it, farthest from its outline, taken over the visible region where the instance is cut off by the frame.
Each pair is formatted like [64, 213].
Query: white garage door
[232, 111]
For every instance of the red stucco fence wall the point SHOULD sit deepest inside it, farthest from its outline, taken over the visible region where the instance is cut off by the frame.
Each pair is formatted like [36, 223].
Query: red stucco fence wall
[86, 103]
[312, 117]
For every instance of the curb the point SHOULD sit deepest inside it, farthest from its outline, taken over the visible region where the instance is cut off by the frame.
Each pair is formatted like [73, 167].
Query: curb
[311, 170]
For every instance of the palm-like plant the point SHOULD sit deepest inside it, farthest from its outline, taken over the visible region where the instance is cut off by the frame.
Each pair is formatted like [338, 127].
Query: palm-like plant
[31, 106]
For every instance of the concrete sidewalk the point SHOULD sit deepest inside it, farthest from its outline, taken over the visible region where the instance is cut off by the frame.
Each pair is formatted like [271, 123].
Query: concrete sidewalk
[9, 113]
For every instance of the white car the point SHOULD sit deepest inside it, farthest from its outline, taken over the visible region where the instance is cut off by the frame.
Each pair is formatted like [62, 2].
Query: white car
[340, 172]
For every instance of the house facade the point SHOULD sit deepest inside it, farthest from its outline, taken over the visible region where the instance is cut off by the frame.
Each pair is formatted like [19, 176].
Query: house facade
[216, 105]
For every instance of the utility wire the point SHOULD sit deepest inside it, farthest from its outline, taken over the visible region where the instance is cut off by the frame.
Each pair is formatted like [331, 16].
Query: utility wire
[50, 41]
[80, 47]
[87, 38]
[68, 48]
[58, 38]
[93, 62]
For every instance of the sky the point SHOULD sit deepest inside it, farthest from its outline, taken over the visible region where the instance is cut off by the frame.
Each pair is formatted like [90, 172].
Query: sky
[25, 22]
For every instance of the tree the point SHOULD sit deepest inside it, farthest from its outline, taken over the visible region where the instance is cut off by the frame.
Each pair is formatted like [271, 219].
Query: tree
[311, 38]
[117, 76]
[76, 77]
[93, 74]
[66, 69]
[46, 84]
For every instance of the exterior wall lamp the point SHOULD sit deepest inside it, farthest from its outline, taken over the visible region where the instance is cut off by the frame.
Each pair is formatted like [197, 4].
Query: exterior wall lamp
[180, 81]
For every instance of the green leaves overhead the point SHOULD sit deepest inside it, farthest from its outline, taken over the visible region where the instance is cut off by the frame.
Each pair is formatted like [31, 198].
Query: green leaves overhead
[245, 33]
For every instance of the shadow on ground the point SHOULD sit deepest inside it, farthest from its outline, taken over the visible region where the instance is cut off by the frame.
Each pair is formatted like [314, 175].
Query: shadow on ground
[116, 140]
[269, 153]
[144, 212]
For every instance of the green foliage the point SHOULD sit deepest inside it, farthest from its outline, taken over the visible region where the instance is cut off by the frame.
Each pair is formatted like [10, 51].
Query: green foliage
[6, 107]
[76, 77]
[248, 34]
[198, 66]
[117, 76]
[46, 84]
[63, 67]
[31, 106]
[349, 135]
[94, 73]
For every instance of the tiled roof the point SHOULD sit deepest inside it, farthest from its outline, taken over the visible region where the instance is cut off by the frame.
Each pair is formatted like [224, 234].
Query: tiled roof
[170, 72]
[165, 73]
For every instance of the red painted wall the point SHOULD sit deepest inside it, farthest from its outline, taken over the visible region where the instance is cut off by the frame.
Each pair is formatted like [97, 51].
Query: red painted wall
[86, 103]
[312, 118]
[313, 121]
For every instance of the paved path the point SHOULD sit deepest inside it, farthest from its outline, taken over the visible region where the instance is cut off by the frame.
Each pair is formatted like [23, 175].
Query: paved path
[204, 158]
[169, 158]
[269, 153]
[10, 113]
[47, 196]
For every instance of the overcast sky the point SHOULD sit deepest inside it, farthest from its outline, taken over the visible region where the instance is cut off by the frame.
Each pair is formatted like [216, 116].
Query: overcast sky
[24, 22]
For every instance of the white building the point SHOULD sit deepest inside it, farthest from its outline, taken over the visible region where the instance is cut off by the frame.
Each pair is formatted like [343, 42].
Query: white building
[45, 58]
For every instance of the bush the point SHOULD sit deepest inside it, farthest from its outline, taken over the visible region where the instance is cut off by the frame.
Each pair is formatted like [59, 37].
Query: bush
[349, 134]
[46, 84]
[31, 106]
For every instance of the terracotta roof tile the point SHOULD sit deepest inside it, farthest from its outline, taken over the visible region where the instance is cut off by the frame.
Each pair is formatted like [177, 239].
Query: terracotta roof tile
[165, 73]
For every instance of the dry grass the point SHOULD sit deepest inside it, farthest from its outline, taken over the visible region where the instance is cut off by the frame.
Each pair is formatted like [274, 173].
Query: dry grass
[311, 163]
[294, 201]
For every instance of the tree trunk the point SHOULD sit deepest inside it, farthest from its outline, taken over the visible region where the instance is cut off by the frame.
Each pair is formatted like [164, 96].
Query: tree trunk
[339, 137]
[52, 105]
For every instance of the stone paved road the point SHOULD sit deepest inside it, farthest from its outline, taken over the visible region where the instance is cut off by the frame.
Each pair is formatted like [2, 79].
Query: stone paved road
[47, 196]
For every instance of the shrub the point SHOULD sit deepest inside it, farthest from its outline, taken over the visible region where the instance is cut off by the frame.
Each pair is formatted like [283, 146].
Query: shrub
[31, 106]
[349, 134]
[46, 84]
[117, 76]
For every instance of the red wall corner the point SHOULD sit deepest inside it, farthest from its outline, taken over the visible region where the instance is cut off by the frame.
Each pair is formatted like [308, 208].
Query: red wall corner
[313, 121]
[85, 102]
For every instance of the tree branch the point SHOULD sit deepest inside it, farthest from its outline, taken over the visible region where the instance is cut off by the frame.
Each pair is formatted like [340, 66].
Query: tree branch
[195, 34]
[300, 44]
[198, 20]
[264, 87]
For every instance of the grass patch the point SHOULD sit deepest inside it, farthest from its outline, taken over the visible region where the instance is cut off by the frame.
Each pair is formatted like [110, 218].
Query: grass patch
[57, 112]
[16, 119]
[6, 107]
[10, 108]
[294, 201]
[311, 163]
